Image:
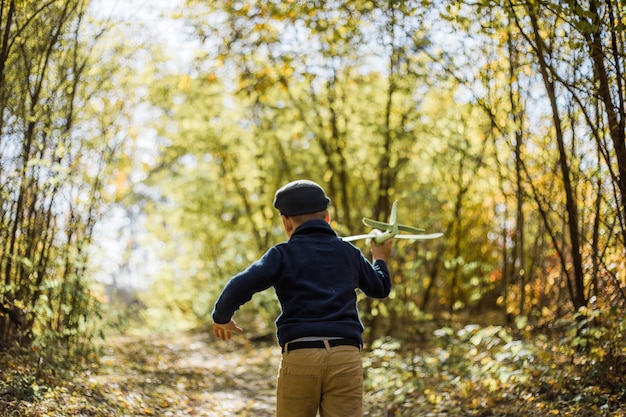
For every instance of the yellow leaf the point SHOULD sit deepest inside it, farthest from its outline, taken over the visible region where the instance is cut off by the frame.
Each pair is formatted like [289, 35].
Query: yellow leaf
[184, 82]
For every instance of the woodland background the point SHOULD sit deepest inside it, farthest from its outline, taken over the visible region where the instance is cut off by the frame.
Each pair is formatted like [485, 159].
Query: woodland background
[499, 123]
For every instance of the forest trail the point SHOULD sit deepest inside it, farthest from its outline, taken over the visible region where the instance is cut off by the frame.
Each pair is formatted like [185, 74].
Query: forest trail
[173, 375]
[193, 374]
[188, 374]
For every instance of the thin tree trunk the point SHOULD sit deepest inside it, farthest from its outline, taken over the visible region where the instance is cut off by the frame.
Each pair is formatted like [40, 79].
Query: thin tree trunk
[576, 288]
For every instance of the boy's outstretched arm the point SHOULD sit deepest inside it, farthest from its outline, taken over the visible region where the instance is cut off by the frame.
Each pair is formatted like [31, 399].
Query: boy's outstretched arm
[223, 331]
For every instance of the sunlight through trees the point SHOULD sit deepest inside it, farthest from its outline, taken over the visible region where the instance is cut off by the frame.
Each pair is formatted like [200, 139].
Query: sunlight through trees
[499, 123]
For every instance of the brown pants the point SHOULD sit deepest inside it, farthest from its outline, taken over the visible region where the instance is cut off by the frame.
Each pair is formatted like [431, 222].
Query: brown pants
[329, 379]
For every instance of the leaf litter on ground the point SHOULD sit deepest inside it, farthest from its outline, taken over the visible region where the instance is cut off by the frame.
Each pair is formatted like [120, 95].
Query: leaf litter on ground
[475, 372]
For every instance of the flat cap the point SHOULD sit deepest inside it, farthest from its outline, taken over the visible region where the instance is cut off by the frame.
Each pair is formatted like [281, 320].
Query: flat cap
[300, 197]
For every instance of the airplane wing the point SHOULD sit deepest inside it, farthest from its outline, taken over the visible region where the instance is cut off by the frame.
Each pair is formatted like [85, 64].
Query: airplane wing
[399, 236]
[359, 237]
[376, 224]
[419, 236]
[386, 226]
[410, 229]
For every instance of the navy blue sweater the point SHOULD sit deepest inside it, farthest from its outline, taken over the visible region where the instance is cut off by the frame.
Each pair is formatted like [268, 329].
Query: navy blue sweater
[315, 275]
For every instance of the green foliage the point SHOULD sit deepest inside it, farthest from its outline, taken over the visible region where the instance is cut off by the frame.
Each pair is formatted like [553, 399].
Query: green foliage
[563, 50]
[64, 99]
[489, 368]
[22, 388]
[246, 124]
[436, 106]
[596, 338]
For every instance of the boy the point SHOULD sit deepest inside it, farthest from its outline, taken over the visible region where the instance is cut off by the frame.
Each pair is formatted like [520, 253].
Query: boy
[315, 275]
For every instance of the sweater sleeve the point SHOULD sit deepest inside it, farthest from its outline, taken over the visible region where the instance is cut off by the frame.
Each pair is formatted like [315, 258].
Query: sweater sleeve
[376, 280]
[240, 288]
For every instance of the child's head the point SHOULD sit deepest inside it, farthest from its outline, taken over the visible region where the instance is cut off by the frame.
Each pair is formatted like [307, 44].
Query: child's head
[301, 197]
[300, 201]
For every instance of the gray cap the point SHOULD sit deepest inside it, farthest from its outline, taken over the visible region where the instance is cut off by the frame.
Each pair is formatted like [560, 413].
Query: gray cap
[300, 197]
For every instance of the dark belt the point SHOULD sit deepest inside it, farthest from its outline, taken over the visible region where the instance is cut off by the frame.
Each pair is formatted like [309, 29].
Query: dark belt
[319, 344]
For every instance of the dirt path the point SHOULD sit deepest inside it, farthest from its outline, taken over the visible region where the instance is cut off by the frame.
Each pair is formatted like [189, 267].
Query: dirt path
[188, 375]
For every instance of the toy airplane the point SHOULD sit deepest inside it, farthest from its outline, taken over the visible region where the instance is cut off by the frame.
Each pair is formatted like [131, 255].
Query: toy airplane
[385, 231]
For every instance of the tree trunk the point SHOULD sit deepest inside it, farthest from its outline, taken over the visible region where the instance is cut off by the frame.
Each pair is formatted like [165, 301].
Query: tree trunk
[576, 289]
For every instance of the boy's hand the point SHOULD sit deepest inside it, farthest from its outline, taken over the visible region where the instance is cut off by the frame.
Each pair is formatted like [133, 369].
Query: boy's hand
[223, 331]
[382, 251]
